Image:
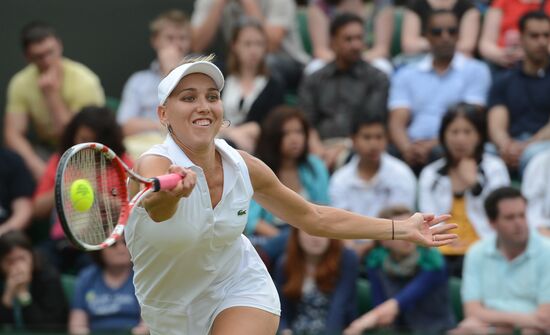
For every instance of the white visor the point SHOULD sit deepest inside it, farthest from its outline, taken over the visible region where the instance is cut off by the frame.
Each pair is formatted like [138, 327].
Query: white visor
[169, 82]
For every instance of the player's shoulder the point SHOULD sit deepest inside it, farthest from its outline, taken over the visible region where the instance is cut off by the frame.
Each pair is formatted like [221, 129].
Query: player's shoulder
[152, 164]
[260, 174]
[252, 163]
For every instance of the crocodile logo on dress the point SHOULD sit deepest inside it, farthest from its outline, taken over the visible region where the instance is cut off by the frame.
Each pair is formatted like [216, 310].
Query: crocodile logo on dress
[241, 212]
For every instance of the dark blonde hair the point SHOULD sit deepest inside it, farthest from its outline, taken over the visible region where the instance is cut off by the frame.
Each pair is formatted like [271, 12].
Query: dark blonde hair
[173, 16]
[201, 58]
[233, 65]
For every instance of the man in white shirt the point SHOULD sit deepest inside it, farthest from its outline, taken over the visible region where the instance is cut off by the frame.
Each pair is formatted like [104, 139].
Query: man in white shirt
[373, 179]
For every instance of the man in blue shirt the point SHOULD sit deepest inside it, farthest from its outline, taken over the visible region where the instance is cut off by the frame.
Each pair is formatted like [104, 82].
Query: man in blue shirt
[519, 102]
[421, 93]
[506, 278]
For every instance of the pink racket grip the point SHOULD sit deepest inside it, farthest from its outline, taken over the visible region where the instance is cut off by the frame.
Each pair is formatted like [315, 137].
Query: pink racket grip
[166, 182]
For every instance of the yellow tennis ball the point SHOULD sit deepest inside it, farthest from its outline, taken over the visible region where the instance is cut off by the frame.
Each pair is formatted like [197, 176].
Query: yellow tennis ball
[82, 195]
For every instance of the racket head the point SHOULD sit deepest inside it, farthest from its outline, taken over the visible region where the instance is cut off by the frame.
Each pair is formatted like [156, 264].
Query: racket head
[102, 224]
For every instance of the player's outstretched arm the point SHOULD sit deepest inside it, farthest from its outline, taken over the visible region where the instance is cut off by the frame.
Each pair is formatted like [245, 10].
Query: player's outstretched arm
[162, 205]
[337, 223]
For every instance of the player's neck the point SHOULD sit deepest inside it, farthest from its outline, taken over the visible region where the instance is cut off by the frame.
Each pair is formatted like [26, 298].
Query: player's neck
[207, 158]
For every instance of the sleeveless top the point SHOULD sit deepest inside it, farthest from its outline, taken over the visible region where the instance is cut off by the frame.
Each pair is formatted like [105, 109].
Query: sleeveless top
[199, 251]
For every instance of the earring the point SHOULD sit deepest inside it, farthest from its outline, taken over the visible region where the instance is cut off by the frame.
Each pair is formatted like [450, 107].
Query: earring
[226, 123]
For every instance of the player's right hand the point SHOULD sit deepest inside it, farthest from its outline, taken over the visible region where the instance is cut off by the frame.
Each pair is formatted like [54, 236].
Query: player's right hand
[186, 185]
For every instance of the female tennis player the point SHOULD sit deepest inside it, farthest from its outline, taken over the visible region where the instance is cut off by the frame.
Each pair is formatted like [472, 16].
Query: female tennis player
[195, 273]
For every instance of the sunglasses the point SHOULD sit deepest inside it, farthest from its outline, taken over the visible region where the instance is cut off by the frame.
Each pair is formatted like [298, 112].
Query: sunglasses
[452, 31]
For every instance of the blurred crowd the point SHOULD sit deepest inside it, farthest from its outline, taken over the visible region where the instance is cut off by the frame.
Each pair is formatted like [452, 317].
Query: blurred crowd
[381, 108]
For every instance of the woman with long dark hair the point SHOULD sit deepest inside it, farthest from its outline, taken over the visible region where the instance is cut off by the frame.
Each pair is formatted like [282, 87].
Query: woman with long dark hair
[459, 182]
[283, 147]
[316, 280]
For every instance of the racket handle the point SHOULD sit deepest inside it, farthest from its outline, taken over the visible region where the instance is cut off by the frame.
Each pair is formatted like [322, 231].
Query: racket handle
[166, 182]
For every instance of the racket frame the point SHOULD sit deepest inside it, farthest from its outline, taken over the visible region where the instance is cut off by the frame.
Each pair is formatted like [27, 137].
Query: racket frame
[151, 185]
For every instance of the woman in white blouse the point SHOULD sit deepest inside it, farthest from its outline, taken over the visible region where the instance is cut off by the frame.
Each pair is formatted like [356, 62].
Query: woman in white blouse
[250, 93]
[459, 182]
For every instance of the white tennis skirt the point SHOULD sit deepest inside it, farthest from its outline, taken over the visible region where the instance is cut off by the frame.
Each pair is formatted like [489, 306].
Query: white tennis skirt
[250, 286]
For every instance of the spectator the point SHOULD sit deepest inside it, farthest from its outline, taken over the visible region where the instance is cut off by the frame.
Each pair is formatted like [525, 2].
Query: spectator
[137, 114]
[342, 91]
[535, 186]
[31, 290]
[16, 187]
[500, 39]
[421, 93]
[505, 285]
[249, 91]
[321, 12]
[283, 147]
[92, 124]
[104, 298]
[46, 93]
[316, 281]
[286, 52]
[409, 287]
[372, 176]
[519, 123]
[415, 22]
[459, 182]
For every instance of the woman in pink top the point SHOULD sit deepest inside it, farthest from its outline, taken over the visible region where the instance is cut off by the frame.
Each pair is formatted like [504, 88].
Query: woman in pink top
[91, 124]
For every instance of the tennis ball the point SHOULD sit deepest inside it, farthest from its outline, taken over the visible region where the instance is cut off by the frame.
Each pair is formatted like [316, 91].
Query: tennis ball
[82, 195]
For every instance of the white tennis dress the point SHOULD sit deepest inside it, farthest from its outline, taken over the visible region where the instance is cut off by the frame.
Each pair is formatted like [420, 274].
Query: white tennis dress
[196, 264]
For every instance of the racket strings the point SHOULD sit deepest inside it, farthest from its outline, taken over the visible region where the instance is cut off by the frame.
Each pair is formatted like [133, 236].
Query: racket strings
[94, 225]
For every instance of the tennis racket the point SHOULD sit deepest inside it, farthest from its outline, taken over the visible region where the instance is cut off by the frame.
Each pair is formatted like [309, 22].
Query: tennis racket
[95, 174]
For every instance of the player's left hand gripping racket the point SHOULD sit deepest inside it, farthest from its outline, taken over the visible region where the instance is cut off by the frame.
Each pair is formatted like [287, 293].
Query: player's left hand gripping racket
[91, 194]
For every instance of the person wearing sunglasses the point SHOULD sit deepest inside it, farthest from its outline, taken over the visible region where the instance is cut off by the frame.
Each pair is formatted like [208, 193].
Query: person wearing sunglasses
[420, 93]
[413, 33]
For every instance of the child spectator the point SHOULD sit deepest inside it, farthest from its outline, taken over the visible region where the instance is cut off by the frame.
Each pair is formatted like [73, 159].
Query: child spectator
[409, 287]
[373, 179]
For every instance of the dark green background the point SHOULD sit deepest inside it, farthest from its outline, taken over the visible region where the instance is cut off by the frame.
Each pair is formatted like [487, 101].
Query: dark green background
[109, 36]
